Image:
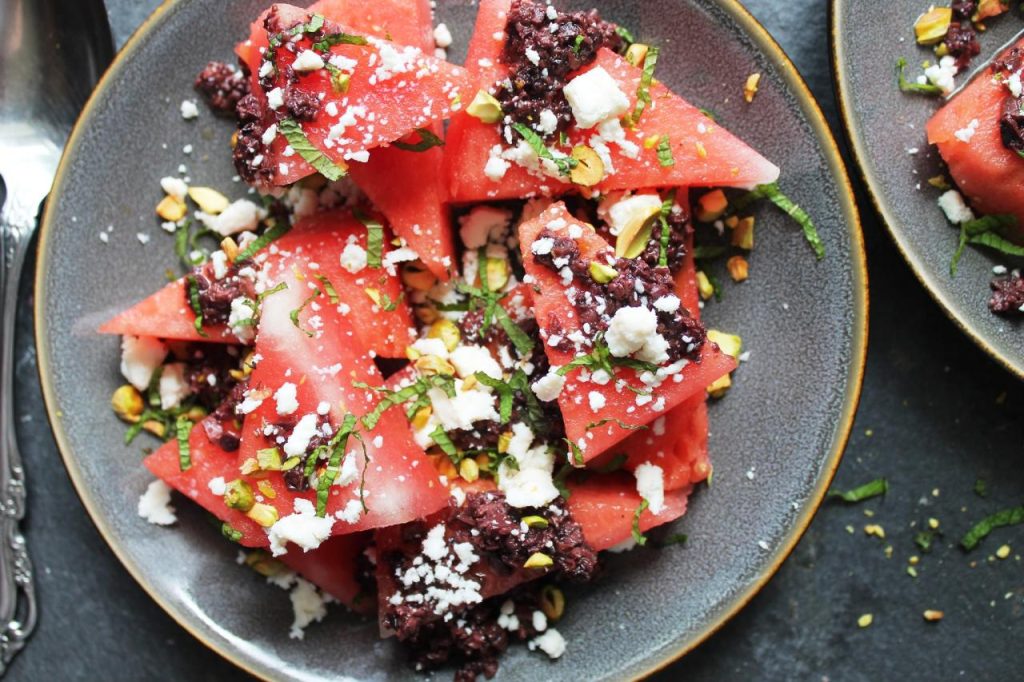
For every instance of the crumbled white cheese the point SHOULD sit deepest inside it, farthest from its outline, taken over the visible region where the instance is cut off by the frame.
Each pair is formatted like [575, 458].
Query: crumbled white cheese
[667, 304]
[634, 329]
[942, 74]
[1014, 85]
[353, 258]
[483, 224]
[427, 346]
[967, 132]
[303, 432]
[217, 485]
[239, 216]
[189, 110]
[650, 483]
[275, 98]
[496, 167]
[956, 209]
[533, 56]
[155, 504]
[548, 123]
[549, 386]
[351, 513]
[542, 246]
[531, 485]
[595, 97]
[308, 606]
[551, 642]
[303, 528]
[285, 397]
[174, 187]
[623, 212]
[242, 312]
[140, 357]
[468, 360]
[442, 36]
[308, 61]
[250, 402]
[596, 401]
[173, 386]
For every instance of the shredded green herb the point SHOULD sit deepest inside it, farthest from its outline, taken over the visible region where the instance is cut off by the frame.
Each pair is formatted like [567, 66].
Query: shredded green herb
[229, 532]
[983, 231]
[333, 39]
[710, 114]
[639, 537]
[907, 86]
[625, 34]
[576, 457]
[443, 441]
[559, 480]
[374, 239]
[294, 315]
[417, 390]
[924, 539]
[772, 193]
[293, 132]
[328, 288]
[577, 44]
[182, 429]
[874, 488]
[618, 422]
[981, 487]
[482, 298]
[643, 91]
[278, 230]
[1007, 517]
[674, 539]
[337, 446]
[665, 157]
[564, 164]
[428, 140]
[666, 231]
[709, 251]
[315, 23]
[269, 292]
[601, 358]
[193, 302]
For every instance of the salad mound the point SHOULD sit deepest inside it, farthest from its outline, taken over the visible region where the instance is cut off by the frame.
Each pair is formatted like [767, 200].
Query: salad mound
[433, 376]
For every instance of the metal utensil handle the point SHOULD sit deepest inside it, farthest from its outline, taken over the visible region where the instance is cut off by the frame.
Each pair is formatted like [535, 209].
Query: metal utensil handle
[18, 608]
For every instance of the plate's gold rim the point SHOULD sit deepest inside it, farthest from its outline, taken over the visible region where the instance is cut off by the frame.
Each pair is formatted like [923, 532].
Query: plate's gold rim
[788, 71]
[855, 137]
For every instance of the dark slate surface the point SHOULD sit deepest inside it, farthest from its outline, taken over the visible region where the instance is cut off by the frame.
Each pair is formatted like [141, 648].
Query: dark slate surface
[936, 414]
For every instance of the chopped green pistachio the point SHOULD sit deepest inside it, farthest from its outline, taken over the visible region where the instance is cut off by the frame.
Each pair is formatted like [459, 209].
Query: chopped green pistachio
[263, 514]
[601, 273]
[535, 521]
[485, 107]
[238, 495]
[538, 560]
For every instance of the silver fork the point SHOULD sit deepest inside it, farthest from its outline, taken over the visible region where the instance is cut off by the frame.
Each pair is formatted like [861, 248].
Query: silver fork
[51, 54]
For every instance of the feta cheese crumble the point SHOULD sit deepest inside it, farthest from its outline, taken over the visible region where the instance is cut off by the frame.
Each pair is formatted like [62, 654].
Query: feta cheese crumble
[595, 97]
[303, 528]
[155, 504]
[956, 209]
[650, 483]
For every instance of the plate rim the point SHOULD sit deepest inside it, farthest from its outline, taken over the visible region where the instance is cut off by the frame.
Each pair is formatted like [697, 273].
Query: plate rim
[809, 106]
[854, 137]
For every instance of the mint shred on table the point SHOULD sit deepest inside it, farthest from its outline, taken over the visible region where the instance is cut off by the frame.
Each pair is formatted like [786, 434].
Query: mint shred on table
[772, 193]
[564, 164]
[625, 34]
[874, 488]
[638, 537]
[981, 530]
[293, 132]
[428, 140]
[984, 231]
[374, 239]
[907, 86]
[674, 539]
[182, 429]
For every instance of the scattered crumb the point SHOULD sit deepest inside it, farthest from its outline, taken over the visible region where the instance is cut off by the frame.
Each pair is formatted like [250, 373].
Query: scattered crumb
[865, 621]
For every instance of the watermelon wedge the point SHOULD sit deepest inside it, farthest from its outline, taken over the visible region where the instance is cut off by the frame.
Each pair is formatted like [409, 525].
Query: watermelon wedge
[552, 312]
[391, 91]
[167, 315]
[604, 507]
[705, 154]
[334, 568]
[990, 176]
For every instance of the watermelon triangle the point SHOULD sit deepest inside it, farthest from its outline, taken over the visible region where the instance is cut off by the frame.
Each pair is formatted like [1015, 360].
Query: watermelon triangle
[551, 309]
[166, 315]
[334, 568]
[719, 160]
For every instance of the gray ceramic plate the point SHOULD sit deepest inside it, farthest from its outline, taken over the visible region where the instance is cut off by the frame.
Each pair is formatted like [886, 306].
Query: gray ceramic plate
[776, 440]
[883, 123]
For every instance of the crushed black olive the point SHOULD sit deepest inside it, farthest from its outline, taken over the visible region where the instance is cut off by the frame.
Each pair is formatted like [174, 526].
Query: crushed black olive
[223, 427]
[1007, 295]
[962, 43]
[216, 295]
[252, 164]
[222, 86]
[964, 9]
[535, 85]
[595, 304]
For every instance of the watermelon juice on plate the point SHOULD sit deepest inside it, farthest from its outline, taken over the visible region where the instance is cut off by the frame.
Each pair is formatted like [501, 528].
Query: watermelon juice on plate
[431, 370]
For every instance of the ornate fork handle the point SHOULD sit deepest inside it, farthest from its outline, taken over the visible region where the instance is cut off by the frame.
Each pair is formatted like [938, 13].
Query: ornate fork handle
[18, 608]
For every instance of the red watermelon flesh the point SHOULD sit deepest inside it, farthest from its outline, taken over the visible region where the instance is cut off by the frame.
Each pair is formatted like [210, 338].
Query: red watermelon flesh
[167, 315]
[550, 307]
[392, 91]
[399, 482]
[990, 176]
[334, 568]
[705, 154]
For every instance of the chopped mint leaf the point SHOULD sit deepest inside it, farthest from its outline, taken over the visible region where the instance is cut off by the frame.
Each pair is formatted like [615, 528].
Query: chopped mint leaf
[564, 164]
[229, 532]
[772, 193]
[294, 315]
[665, 157]
[1007, 517]
[338, 447]
[193, 302]
[293, 132]
[182, 429]
[277, 231]
[330, 40]
[906, 86]
[639, 537]
[874, 488]
[643, 91]
[983, 231]
[428, 140]
[443, 441]
[374, 239]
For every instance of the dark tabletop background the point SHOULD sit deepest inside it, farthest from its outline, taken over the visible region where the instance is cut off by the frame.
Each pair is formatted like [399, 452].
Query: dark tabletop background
[936, 414]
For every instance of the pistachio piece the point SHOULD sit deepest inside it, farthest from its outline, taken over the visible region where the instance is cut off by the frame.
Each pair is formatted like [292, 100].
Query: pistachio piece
[636, 54]
[469, 470]
[485, 107]
[704, 286]
[590, 169]
[431, 364]
[158, 429]
[127, 403]
[249, 467]
[711, 206]
[738, 268]
[170, 209]
[263, 514]
[750, 87]
[209, 200]
[932, 26]
[230, 248]
[990, 8]
[503, 442]
[538, 560]
[633, 239]
[290, 463]
[496, 272]
[719, 387]
[267, 489]
[552, 602]
[238, 495]
[730, 344]
[264, 564]
[269, 459]
[422, 416]
[601, 273]
[535, 521]
[743, 234]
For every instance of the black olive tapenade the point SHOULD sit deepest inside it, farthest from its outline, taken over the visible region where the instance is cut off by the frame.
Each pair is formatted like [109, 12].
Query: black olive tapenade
[1007, 295]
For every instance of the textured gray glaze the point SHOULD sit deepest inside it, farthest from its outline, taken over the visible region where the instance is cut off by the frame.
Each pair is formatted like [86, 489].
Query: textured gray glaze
[781, 421]
[883, 124]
